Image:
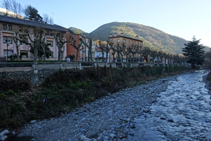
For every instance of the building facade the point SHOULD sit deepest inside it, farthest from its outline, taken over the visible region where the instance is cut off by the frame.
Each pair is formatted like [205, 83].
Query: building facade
[132, 44]
[83, 50]
[14, 27]
[99, 55]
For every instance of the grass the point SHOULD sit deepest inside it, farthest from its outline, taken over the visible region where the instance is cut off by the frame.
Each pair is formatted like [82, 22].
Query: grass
[65, 90]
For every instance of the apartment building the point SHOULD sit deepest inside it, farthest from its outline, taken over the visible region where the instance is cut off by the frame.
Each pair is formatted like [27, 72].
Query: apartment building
[131, 43]
[84, 50]
[11, 27]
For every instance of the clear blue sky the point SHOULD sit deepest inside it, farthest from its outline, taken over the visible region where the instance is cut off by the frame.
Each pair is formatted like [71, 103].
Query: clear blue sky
[183, 18]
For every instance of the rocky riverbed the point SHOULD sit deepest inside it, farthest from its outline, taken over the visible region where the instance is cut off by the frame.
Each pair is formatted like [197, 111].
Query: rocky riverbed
[173, 108]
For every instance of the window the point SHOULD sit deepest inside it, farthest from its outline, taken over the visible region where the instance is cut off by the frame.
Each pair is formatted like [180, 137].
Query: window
[7, 39]
[4, 26]
[22, 38]
[52, 34]
[50, 43]
[20, 28]
[24, 53]
[22, 43]
[10, 27]
[124, 41]
[47, 33]
[9, 52]
[51, 54]
[118, 40]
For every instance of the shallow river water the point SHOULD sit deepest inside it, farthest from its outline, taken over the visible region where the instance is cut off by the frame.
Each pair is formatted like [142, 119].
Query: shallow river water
[183, 112]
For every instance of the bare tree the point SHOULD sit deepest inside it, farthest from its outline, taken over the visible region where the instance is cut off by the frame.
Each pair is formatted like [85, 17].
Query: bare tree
[7, 5]
[89, 46]
[133, 51]
[126, 51]
[60, 41]
[46, 18]
[77, 47]
[17, 41]
[35, 41]
[107, 49]
[101, 46]
[51, 20]
[19, 9]
[14, 7]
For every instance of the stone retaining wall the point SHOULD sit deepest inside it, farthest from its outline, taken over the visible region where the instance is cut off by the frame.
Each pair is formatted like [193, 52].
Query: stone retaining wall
[28, 75]
[40, 76]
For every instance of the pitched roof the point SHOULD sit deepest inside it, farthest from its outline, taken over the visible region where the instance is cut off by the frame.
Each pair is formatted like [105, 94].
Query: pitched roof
[12, 20]
[117, 36]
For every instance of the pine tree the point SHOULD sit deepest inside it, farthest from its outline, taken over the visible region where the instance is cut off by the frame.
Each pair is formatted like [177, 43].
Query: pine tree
[194, 51]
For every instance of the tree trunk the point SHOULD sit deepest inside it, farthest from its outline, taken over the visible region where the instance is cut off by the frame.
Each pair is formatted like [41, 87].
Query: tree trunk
[122, 57]
[18, 58]
[35, 59]
[106, 56]
[102, 56]
[77, 50]
[59, 54]
[126, 58]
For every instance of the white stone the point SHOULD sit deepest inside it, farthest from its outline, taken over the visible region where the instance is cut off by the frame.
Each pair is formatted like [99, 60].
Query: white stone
[33, 121]
[84, 138]
[2, 136]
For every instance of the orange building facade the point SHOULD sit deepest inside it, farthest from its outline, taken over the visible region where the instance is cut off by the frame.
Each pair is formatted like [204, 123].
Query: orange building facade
[128, 42]
[71, 51]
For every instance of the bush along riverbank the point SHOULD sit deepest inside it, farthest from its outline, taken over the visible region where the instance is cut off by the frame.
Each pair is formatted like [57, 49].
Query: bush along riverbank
[64, 90]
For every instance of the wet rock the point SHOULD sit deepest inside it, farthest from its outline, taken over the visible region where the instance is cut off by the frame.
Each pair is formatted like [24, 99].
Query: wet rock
[132, 125]
[170, 120]
[33, 121]
[84, 138]
[153, 101]
[146, 110]
[112, 136]
[162, 118]
[3, 135]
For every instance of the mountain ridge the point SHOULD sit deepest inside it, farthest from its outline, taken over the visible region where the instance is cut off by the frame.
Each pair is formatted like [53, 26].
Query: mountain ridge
[153, 38]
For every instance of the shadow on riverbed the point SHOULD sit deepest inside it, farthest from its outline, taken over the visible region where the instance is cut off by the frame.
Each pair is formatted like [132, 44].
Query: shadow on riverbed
[24, 138]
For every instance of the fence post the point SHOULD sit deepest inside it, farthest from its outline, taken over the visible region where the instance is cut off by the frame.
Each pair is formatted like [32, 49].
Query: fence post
[80, 66]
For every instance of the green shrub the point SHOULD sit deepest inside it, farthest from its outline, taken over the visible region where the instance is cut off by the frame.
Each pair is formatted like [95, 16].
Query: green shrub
[160, 69]
[148, 71]
[14, 85]
[10, 93]
[170, 68]
[2, 96]
[154, 70]
[142, 82]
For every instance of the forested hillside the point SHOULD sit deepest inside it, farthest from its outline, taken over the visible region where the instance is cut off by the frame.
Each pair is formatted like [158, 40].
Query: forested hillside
[152, 37]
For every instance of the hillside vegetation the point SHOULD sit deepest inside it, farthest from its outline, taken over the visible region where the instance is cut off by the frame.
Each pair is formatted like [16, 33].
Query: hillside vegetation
[65, 90]
[76, 30]
[153, 38]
